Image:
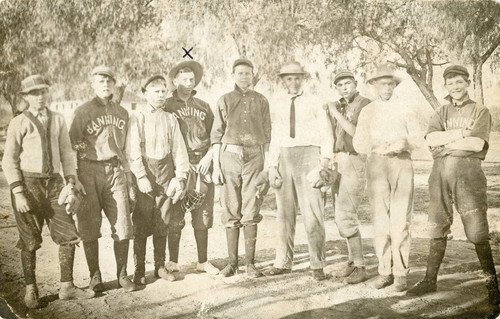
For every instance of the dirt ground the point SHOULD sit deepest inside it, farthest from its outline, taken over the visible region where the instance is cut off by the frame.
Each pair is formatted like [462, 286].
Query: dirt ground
[461, 292]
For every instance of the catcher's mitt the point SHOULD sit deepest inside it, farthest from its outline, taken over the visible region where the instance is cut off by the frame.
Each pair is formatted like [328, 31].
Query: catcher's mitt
[322, 178]
[196, 191]
[70, 198]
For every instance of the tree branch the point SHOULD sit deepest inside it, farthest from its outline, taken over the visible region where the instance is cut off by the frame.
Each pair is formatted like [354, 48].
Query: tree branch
[492, 48]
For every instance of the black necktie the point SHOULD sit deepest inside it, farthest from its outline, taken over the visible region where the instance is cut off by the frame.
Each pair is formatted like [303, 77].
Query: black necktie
[292, 117]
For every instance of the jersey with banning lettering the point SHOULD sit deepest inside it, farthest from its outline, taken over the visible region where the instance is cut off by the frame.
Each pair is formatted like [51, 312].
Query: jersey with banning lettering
[469, 116]
[98, 130]
[195, 119]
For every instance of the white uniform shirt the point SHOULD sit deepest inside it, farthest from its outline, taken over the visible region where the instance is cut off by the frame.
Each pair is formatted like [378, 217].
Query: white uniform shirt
[311, 125]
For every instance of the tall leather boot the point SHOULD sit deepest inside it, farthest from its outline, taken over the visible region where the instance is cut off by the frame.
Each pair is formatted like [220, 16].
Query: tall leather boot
[140, 260]
[28, 261]
[91, 249]
[485, 257]
[437, 249]
[232, 236]
[121, 256]
[250, 232]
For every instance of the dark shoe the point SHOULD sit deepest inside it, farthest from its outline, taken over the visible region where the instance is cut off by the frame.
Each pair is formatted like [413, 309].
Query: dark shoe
[348, 269]
[126, 284]
[229, 271]
[165, 274]
[139, 278]
[277, 271]
[253, 272]
[31, 297]
[357, 275]
[383, 281]
[318, 274]
[400, 283]
[421, 288]
[96, 282]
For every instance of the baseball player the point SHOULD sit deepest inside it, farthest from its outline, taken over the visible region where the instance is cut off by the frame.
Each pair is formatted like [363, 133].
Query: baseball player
[295, 150]
[344, 115]
[158, 159]
[386, 132]
[240, 138]
[196, 119]
[36, 149]
[98, 134]
[458, 136]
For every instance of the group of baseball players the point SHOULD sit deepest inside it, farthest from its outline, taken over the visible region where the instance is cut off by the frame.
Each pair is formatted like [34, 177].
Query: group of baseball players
[146, 170]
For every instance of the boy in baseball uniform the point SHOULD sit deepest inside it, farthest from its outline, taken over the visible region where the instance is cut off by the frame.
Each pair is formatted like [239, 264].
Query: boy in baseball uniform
[240, 138]
[343, 115]
[387, 131]
[36, 149]
[458, 136]
[158, 159]
[195, 120]
[98, 134]
[295, 150]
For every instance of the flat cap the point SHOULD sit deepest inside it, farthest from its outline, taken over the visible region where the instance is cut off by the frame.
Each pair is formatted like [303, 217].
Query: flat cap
[242, 61]
[342, 74]
[458, 69]
[145, 82]
[103, 70]
[292, 68]
[33, 82]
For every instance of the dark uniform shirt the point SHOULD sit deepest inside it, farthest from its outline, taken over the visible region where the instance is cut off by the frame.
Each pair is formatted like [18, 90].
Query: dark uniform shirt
[350, 109]
[242, 118]
[469, 116]
[195, 119]
[99, 129]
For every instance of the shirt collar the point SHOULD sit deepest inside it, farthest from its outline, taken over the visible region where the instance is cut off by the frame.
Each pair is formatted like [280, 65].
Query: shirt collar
[42, 112]
[151, 109]
[295, 95]
[464, 103]
[350, 98]
[104, 102]
[240, 91]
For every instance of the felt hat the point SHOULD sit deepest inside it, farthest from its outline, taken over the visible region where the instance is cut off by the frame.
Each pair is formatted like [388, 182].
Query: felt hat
[242, 61]
[292, 68]
[384, 71]
[103, 70]
[33, 82]
[193, 65]
[342, 74]
[458, 69]
[145, 82]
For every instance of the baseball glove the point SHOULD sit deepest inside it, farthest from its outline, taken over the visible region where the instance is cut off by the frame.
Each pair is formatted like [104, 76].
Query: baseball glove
[70, 198]
[322, 178]
[262, 184]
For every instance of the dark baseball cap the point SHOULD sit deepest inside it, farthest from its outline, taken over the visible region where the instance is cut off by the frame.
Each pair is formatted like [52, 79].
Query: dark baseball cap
[145, 82]
[103, 70]
[242, 61]
[458, 69]
[342, 74]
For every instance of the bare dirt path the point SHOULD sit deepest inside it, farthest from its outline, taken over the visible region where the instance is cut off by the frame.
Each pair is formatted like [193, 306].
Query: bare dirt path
[461, 292]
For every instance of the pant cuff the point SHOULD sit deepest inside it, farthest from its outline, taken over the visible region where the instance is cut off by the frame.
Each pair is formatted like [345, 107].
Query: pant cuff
[318, 264]
[283, 265]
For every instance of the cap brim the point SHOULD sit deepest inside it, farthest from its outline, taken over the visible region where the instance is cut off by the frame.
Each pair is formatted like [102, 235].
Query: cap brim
[395, 78]
[288, 73]
[106, 74]
[345, 76]
[36, 87]
[193, 65]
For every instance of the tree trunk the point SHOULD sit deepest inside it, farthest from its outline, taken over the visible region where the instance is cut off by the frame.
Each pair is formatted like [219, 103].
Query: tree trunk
[477, 79]
[426, 91]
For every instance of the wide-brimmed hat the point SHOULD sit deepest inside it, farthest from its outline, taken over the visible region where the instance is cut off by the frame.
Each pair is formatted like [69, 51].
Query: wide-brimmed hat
[384, 71]
[342, 74]
[193, 65]
[145, 82]
[103, 70]
[33, 82]
[292, 68]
